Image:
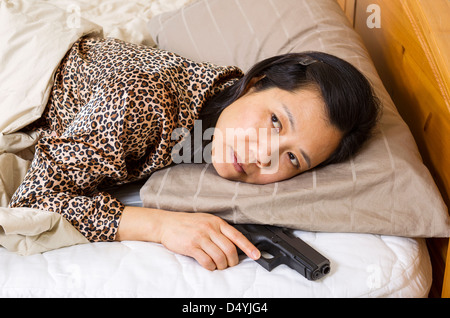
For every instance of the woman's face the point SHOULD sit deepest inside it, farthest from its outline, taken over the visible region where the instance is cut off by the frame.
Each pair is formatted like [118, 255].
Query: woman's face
[272, 135]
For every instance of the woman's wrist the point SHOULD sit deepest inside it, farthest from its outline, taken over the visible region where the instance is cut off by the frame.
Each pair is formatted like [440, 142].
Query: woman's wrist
[141, 224]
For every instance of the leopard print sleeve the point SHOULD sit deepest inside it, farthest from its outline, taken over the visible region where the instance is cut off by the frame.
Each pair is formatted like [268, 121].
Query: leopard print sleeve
[62, 180]
[109, 120]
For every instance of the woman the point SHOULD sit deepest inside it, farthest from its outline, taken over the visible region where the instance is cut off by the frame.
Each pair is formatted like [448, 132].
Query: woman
[114, 110]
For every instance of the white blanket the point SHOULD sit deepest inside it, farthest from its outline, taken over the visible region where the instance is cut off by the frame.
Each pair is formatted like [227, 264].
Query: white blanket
[361, 266]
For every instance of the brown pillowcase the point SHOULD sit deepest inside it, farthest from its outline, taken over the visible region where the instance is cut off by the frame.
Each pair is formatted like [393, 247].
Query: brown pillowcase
[384, 189]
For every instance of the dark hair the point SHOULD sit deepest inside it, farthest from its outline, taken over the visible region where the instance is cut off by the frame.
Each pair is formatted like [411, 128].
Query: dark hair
[351, 104]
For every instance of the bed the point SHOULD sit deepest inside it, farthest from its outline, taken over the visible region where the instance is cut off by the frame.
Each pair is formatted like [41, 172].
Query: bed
[371, 216]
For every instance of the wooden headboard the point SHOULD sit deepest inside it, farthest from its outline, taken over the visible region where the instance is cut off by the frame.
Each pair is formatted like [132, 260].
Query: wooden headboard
[409, 42]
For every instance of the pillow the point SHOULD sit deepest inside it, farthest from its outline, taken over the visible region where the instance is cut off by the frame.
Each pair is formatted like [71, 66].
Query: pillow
[34, 37]
[384, 189]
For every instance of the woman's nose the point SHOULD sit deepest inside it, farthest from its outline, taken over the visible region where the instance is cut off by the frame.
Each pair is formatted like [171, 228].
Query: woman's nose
[263, 160]
[267, 152]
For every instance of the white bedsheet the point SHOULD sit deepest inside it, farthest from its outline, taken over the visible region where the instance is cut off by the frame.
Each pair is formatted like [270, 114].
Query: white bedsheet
[362, 265]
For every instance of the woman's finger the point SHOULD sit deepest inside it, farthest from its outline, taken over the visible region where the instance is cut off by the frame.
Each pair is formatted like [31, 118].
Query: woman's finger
[203, 259]
[240, 241]
[215, 252]
[227, 247]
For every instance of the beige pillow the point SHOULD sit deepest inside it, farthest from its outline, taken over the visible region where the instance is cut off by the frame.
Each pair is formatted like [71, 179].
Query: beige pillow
[34, 37]
[385, 189]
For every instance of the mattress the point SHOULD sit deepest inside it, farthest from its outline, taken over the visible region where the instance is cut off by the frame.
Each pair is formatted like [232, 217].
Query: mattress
[362, 265]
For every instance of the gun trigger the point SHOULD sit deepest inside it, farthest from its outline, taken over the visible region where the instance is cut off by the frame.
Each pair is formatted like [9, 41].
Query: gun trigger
[271, 263]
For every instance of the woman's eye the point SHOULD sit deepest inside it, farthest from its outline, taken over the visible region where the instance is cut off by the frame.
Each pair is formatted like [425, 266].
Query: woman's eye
[276, 123]
[294, 160]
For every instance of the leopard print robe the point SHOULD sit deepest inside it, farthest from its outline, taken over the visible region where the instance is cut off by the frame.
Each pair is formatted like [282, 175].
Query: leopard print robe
[109, 120]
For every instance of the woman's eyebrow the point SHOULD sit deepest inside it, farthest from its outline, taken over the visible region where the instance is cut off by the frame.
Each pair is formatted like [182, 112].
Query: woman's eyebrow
[289, 116]
[306, 157]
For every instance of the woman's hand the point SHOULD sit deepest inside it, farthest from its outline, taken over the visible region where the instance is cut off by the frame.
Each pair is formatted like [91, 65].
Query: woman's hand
[205, 237]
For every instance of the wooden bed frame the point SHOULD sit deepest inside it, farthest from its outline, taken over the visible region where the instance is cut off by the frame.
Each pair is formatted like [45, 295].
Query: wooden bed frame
[409, 42]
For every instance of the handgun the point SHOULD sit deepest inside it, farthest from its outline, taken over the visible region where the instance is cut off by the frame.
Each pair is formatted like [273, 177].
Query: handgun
[285, 248]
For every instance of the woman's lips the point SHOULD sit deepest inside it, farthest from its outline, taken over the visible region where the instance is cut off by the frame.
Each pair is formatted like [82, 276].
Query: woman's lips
[237, 165]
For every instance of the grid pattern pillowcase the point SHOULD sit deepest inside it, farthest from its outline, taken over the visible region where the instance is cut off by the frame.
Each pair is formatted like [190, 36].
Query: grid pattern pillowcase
[384, 189]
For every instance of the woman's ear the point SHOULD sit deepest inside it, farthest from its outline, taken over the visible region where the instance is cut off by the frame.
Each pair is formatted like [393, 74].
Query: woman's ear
[252, 83]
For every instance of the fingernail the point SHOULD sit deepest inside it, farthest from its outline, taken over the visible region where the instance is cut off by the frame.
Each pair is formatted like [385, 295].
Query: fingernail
[256, 254]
